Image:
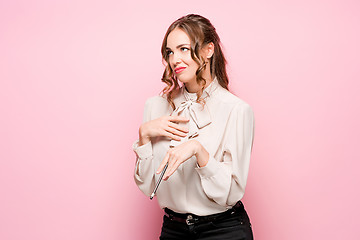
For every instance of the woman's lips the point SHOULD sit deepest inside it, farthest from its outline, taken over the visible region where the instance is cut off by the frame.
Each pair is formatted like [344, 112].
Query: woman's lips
[179, 70]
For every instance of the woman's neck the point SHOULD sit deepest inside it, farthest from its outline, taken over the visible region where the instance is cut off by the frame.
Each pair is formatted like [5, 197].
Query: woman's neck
[196, 87]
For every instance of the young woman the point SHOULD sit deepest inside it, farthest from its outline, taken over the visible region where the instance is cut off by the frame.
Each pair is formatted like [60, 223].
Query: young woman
[202, 133]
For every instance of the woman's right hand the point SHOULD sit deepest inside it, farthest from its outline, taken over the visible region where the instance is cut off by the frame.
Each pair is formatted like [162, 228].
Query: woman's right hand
[163, 126]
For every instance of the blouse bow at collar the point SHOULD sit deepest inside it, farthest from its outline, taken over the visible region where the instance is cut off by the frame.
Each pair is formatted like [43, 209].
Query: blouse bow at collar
[198, 115]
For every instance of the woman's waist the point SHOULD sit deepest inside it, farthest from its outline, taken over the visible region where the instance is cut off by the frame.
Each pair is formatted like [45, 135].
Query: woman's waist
[197, 205]
[184, 217]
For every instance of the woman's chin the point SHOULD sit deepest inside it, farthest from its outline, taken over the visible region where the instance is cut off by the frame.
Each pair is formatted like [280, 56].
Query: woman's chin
[184, 80]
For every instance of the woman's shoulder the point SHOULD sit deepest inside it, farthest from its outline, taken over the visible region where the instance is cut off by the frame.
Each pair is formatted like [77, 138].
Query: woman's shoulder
[155, 99]
[161, 99]
[230, 99]
[157, 104]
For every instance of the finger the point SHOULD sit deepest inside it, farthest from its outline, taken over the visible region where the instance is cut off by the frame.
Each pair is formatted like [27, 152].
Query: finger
[171, 161]
[170, 135]
[163, 163]
[175, 132]
[178, 119]
[172, 170]
[178, 127]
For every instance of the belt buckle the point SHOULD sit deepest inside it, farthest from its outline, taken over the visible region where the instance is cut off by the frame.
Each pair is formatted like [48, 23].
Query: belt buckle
[189, 220]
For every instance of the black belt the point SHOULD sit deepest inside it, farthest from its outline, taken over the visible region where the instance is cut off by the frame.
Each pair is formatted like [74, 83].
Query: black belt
[191, 219]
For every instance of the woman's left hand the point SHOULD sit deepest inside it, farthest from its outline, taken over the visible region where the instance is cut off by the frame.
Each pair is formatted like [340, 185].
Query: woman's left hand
[177, 155]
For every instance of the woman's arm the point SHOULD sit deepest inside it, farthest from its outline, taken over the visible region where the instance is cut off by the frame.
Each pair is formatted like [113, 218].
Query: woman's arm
[160, 126]
[143, 174]
[224, 181]
[201, 155]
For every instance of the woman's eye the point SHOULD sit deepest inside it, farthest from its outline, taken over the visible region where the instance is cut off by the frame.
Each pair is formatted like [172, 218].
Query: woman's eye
[184, 49]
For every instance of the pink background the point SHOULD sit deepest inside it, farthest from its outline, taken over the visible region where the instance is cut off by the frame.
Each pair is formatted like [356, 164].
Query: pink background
[74, 79]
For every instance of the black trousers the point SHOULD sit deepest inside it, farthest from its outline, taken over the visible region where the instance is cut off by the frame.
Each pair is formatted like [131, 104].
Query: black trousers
[233, 227]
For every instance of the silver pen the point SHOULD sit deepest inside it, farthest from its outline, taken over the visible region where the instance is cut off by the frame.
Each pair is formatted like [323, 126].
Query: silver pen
[159, 181]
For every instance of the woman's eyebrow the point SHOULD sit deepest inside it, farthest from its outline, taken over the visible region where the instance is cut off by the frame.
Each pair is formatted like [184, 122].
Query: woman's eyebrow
[179, 46]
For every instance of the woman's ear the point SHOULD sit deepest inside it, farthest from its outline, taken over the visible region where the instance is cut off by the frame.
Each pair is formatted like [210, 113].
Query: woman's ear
[209, 50]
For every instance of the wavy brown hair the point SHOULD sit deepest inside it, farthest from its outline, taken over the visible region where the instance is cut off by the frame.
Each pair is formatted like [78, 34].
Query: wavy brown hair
[201, 32]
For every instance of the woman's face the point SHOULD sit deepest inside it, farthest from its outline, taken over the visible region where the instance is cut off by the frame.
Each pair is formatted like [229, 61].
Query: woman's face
[178, 51]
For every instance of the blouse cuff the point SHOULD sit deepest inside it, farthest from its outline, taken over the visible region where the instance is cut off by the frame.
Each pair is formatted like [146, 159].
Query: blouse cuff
[143, 151]
[210, 169]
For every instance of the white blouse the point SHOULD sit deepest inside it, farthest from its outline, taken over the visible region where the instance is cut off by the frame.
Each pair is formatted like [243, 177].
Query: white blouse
[225, 128]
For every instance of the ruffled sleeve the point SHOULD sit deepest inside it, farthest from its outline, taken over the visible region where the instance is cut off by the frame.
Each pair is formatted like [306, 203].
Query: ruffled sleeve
[224, 180]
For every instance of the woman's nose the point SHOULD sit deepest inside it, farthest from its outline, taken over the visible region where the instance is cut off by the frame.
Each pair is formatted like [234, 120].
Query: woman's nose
[176, 59]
